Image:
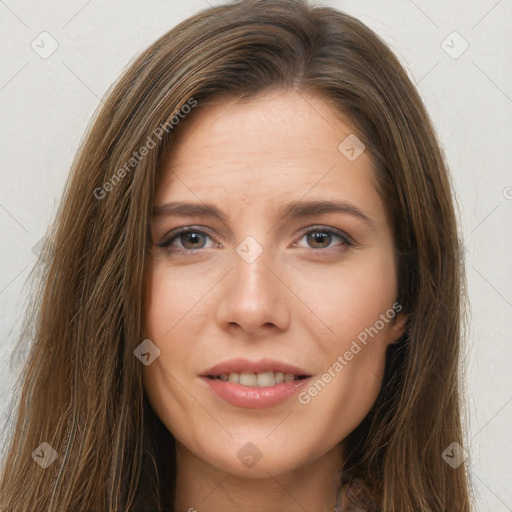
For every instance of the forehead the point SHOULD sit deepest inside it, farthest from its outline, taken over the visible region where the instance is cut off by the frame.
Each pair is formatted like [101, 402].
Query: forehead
[279, 145]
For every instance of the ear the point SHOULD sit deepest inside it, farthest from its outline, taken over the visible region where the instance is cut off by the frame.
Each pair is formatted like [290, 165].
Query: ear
[398, 327]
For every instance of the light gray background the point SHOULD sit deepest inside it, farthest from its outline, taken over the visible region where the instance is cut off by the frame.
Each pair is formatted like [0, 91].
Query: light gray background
[46, 104]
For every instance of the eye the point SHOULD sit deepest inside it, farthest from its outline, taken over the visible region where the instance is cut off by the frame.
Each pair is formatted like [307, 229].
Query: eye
[190, 238]
[320, 237]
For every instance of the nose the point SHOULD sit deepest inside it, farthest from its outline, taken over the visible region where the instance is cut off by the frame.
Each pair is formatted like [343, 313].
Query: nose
[254, 297]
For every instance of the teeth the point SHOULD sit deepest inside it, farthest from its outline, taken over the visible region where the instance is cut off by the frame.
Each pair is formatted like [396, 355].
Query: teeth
[248, 379]
[262, 380]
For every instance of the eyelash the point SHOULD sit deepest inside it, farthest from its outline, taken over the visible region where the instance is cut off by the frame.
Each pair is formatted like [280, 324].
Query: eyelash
[167, 244]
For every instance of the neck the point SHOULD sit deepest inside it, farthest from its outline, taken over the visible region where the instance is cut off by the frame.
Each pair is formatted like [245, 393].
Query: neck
[203, 488]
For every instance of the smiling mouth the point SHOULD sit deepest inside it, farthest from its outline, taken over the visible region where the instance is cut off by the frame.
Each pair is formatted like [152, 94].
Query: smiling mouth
[261, 380]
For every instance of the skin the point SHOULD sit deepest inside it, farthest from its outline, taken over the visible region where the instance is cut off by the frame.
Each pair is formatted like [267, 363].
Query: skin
[302, 301]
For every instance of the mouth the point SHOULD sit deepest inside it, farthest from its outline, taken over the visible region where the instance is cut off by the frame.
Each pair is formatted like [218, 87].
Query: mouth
[255, 384]
[262, 374]
[261, 379]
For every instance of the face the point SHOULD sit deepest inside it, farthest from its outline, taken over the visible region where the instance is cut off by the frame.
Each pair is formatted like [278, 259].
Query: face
[272, 322]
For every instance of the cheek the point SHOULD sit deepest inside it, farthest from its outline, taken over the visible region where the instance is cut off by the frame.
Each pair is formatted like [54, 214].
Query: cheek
[161, 316]
[174, 313]
[358, 317]
[165, 312]
[351, 298]
[170, 295]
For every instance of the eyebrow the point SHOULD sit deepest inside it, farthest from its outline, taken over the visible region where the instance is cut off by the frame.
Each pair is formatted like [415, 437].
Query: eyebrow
[293, 210]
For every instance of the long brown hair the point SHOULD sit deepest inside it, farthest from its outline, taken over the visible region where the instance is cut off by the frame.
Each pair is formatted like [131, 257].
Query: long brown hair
[81, 388]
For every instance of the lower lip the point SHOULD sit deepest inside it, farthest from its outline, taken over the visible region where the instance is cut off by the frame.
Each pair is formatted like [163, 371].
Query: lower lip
[253, 396]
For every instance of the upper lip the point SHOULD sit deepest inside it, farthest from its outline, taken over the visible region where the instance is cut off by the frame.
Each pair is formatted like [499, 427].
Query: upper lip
[241, 365]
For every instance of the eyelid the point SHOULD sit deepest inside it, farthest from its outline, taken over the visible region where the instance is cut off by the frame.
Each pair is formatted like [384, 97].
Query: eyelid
[330, 230]
[173, 235]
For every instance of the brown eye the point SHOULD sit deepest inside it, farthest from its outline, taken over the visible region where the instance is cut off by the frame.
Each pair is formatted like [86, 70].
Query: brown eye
[322, 238]
[189, 240]
[193, 238]
[319, 238]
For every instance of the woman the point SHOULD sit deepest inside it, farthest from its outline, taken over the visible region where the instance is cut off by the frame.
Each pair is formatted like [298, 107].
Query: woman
[196, 347]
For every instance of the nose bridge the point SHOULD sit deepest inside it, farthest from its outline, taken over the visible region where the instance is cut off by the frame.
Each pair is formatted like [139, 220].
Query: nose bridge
[254, 282]
[254, 297]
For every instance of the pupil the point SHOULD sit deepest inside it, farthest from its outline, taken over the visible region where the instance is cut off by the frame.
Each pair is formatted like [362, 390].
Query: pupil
[317, 237]
[194, 236]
